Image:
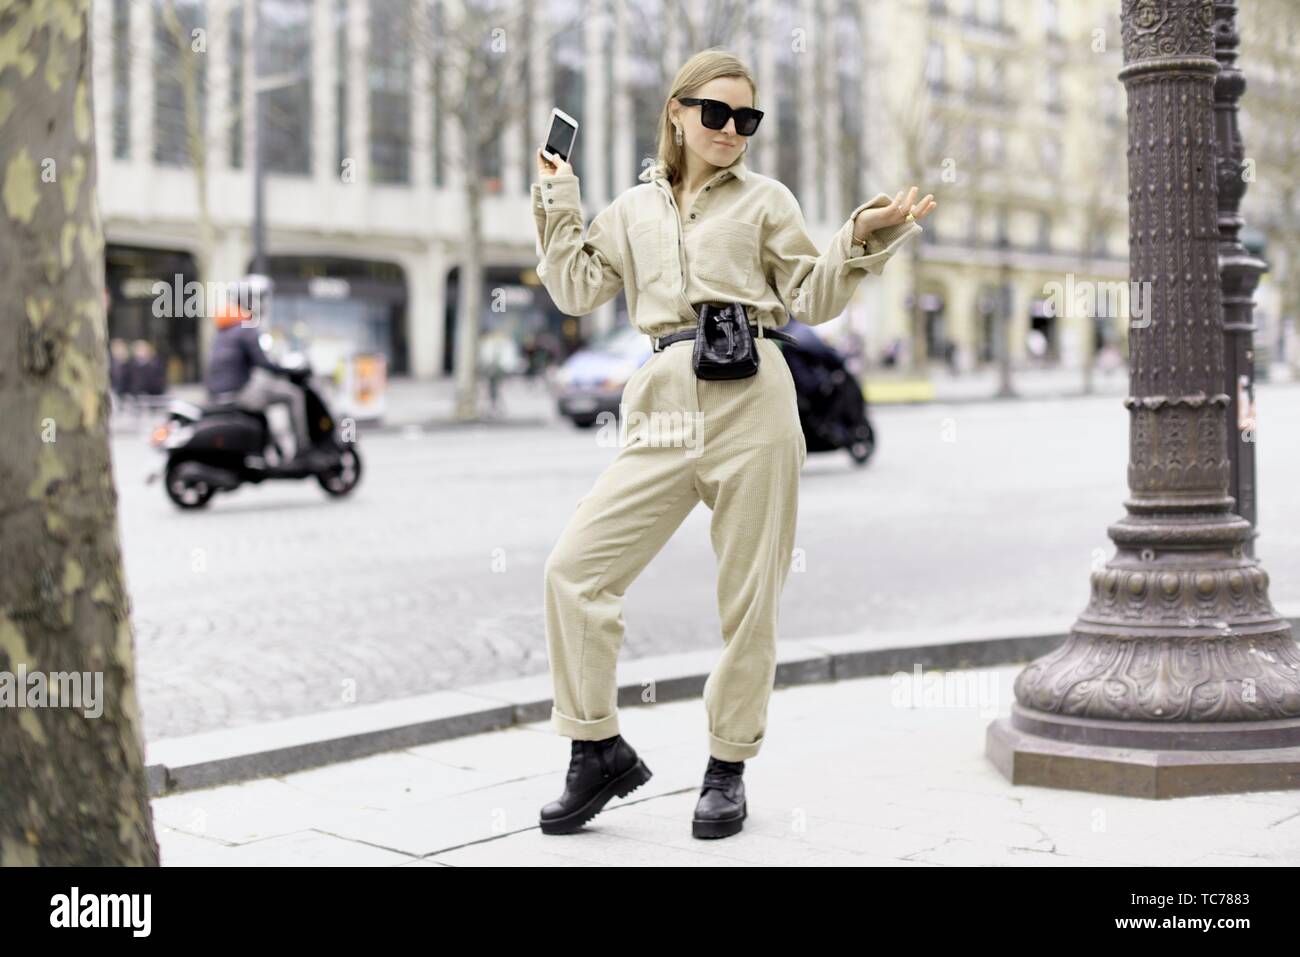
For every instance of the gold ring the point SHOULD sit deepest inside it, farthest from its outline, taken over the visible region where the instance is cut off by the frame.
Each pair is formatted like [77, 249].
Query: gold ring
[911, 218]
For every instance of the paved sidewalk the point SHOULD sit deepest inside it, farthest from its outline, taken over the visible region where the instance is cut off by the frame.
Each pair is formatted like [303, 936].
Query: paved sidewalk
[858, 772]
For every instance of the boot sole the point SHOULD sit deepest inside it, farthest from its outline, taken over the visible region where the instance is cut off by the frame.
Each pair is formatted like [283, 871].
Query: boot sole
[709, 829]
[621, 786]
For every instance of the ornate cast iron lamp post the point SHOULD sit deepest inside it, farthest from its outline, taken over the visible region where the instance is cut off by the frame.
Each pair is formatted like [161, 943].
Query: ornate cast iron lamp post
[1179, 677]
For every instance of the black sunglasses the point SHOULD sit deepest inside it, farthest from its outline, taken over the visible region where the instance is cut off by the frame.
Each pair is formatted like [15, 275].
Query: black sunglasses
[714, 115]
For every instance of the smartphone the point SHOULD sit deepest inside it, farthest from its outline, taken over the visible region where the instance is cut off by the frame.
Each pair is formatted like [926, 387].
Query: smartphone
[559, 141]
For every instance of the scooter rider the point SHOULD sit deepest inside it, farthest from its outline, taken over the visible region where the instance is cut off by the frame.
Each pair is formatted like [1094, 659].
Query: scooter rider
[240, 370]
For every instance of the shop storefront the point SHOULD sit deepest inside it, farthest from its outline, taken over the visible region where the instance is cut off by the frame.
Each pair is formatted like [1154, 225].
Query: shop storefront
[515, 302]
[133, 276]
[340, 307]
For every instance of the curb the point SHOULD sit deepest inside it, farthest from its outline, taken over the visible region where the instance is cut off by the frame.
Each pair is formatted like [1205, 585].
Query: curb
[421, 426]
[448, 425]
[1053, 396]
[234, 755]
[441, 424]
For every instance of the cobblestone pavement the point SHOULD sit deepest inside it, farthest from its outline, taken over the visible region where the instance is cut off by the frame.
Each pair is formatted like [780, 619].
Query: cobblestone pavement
[277, 601]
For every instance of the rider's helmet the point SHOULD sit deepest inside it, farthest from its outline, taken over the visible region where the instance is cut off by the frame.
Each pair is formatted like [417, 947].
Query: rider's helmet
[230, 314]
[245, 301]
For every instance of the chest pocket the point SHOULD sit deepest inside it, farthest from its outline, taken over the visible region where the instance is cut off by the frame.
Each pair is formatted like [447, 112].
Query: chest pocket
[725, 252]
[647, 241]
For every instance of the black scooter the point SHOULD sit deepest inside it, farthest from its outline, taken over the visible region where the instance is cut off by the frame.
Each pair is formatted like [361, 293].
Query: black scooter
[219, 447]
[832, 406]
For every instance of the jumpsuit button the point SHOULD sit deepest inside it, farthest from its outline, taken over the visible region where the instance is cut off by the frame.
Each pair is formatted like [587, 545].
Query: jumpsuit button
[549, 200]
[549, 185]
[692, 215]
[707, 188]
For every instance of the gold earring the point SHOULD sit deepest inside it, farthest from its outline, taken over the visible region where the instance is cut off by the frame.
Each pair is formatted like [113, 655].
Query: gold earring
[678, 135]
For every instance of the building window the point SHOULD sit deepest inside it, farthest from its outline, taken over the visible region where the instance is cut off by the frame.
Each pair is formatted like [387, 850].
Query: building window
[1044, 231]
[972, 145]
[284, 30]
[121, 79]
[993, 144]
[341, 64]
[568, 67]
[1053, 95]
[850, 135]
[174, 58]
[1051, 19]
[236, 103]
[390, 92]
[934, 72]
[1100, 244]
[435, 68]
[1049, 153]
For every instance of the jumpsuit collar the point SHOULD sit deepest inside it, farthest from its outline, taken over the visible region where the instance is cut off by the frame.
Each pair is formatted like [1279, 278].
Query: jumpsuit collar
[657, 171]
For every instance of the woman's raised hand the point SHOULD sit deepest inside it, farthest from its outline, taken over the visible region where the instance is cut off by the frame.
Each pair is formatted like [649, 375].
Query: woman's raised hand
[547, 167]
[869, 220]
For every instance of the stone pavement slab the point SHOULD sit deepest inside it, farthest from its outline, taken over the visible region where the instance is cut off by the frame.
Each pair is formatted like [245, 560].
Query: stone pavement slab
[854, 772]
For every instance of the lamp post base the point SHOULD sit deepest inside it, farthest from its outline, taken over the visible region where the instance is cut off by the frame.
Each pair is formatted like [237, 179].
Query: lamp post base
[1144, 759]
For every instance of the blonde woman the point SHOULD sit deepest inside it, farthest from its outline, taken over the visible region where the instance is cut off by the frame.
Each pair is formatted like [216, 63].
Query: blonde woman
[700, 228]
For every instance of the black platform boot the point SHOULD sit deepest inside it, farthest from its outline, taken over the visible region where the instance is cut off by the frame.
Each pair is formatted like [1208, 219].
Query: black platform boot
[598, 771]
[721, 809]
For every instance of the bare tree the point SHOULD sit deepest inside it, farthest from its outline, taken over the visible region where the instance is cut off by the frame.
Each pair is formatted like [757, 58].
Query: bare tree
[911, 128]
[176, 56]
[72, 782]
[481, 49]
[187, 68]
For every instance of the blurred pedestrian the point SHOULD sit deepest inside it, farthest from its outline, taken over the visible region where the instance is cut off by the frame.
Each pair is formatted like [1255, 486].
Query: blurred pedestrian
[1109, 359]
[146, 376]
[1036, 344]
[496, 352]
[119, 370]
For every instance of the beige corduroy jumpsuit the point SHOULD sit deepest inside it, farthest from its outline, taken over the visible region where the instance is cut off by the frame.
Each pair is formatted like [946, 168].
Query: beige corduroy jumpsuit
[736, 444]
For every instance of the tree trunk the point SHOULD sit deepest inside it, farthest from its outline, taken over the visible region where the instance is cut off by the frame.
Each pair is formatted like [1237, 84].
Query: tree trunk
[72, 786]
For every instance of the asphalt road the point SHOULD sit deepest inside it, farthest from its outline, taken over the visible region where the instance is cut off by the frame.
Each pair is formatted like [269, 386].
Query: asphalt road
[278, 601]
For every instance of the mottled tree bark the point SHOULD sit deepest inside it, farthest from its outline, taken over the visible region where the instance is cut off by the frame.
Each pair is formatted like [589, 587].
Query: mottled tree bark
[72, 786]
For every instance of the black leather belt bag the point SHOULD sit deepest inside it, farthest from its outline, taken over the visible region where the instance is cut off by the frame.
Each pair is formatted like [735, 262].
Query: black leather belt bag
[724, 341]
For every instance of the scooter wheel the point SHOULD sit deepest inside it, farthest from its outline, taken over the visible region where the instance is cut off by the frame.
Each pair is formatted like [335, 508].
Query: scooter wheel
[863, 445]
[186, 494]
[343, 478]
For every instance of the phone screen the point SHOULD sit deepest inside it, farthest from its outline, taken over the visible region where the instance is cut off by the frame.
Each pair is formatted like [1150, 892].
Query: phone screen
[560, 140]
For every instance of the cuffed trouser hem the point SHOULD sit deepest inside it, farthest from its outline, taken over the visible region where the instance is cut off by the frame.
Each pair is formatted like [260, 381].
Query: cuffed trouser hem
[725, 750]
[580, 730]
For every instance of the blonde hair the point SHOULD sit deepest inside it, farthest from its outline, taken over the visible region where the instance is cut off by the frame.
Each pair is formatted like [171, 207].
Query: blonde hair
[698, 70]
